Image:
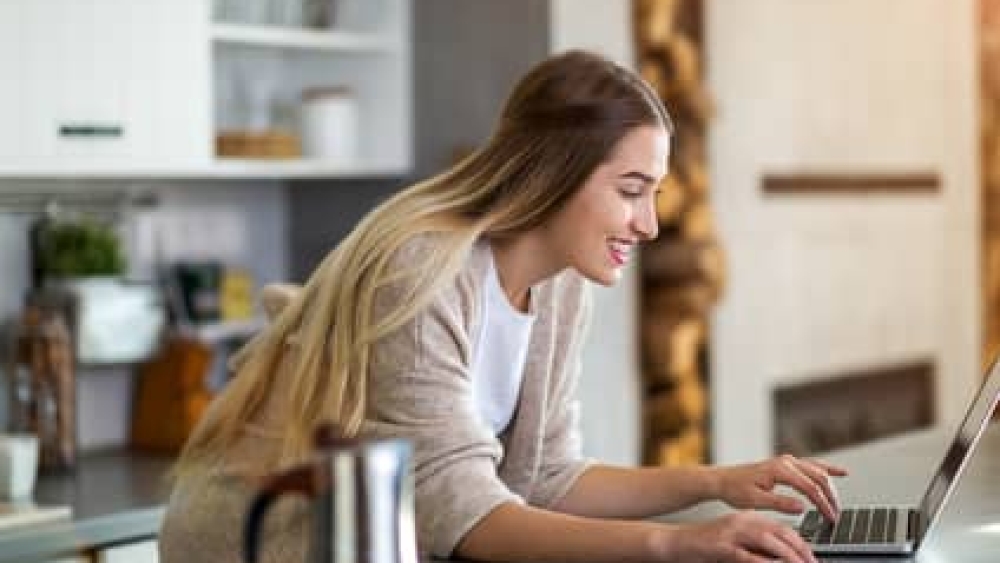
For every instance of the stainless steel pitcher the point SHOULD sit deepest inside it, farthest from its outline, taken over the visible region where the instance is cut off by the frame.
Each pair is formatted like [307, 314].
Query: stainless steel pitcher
[361, 503]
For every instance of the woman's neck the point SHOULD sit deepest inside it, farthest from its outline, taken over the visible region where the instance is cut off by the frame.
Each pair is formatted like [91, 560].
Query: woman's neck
[522, 262]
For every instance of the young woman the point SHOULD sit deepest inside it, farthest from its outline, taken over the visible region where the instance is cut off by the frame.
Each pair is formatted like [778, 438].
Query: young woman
[453, 316]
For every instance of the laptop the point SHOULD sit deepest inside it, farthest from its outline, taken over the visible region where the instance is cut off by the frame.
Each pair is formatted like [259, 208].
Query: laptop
[901, 530]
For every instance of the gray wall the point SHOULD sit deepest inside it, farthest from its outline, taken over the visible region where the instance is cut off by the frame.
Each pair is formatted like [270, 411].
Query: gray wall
[468, 55]
[324, 212]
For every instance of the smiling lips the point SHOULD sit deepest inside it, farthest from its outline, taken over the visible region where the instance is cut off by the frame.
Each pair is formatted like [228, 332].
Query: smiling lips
[619, 252]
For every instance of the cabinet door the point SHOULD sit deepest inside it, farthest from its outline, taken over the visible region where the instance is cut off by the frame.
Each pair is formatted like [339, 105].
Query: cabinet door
[138, 552]
[98, 81]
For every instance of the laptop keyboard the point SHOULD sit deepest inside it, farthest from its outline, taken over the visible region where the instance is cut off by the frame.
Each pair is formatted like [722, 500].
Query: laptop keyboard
[856, 526]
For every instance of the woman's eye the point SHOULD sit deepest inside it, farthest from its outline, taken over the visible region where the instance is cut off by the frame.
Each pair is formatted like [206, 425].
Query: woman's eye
[630, 193]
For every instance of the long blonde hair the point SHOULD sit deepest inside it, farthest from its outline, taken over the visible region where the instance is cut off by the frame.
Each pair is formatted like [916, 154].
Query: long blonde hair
[559, 123]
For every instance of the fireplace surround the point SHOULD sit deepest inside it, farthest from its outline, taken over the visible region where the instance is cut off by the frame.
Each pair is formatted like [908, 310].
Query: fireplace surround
[853, 407]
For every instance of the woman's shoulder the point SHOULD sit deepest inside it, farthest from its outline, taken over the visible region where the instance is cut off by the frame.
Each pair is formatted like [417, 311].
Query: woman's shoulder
[425, 248]
[418, 249]
[417, 266]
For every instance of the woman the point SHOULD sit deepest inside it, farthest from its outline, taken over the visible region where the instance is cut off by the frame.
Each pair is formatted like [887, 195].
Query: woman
[453, 316]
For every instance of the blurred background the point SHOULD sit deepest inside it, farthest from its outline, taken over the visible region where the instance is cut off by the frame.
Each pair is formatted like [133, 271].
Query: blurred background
[828, 271]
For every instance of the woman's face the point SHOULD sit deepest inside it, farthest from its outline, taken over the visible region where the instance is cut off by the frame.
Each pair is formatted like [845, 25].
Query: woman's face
[597, 231]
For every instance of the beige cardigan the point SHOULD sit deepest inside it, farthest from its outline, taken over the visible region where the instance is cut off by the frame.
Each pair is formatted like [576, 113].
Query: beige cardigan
[420, 389]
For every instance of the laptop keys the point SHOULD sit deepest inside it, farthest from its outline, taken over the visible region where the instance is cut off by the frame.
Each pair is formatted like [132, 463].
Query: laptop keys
[878, 528]
[859, 533]
[856, 526]
[842, 533]
[810, 524]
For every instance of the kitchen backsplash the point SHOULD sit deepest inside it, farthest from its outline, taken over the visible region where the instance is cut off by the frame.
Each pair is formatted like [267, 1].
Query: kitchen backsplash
[243, 223]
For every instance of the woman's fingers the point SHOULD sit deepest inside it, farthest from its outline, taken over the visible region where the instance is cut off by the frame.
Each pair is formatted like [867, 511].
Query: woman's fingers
[766, 537]
[792, 475]
[831, 470]
[774, 547]
[781, 503]
[821, 477]
[795, 541]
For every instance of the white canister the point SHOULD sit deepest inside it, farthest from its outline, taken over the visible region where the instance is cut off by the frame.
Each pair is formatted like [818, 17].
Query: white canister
[18, 466]
[330, 124]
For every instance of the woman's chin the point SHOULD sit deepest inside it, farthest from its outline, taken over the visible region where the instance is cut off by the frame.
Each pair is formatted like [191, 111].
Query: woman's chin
[607, 277]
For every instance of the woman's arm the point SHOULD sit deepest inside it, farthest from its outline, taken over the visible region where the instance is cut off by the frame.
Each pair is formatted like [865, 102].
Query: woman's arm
[514, 532]
[618, 492]
[604, 491]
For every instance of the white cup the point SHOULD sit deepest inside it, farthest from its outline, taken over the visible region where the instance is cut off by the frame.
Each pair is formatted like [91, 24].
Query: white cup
[18, 466]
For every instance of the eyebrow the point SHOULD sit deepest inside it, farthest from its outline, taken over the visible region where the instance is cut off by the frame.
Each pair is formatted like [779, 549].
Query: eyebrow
[634, 175]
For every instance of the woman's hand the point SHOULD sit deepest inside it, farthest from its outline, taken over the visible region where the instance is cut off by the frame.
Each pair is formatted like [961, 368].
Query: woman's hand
[753, 485]
[742, 537]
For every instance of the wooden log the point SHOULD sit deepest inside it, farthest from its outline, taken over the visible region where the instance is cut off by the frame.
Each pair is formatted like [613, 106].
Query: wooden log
[692, 444]
[697, 223]
[670, 201]
[671, 348]
[664, 416]
[692, 399]
[685, 62]
[695, 175]
[653, 72]
[693, 300]
[656, 21]
[681, 262]
[688, 448]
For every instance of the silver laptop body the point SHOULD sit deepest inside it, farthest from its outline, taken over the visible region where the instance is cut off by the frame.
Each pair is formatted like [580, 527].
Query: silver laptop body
[901, 530]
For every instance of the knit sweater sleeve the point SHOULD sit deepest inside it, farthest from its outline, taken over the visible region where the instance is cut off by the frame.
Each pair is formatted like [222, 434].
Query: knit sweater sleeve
[420, 390]
[562, 460]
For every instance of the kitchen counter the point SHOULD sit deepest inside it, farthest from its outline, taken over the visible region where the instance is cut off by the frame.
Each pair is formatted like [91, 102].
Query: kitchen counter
[116, 497]
[119, 497]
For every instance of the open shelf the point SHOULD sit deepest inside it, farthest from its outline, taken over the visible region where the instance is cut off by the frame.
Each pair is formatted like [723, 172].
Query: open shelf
[222, 168]
[302, 39]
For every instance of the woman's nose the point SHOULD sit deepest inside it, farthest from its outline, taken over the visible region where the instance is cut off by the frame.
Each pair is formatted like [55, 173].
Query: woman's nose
[645, 222]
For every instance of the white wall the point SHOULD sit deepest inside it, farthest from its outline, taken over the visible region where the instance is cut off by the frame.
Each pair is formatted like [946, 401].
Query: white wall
[823, 284]
[609, 386]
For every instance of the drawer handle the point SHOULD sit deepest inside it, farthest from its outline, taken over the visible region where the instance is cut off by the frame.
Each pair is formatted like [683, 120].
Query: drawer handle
[91, 131]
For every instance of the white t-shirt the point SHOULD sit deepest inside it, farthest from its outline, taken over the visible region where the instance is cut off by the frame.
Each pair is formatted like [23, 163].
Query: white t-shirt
[500, 348]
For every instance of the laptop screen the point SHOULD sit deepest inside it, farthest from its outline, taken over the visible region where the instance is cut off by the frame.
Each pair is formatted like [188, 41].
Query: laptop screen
[978, 415]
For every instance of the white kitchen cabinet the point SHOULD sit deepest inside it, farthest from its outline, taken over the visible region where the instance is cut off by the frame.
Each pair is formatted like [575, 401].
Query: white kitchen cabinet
[136, 552]
[124, 89]
[100, 83]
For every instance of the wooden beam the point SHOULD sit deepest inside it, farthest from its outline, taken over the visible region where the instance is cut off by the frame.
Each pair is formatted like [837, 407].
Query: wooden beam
[824, 183]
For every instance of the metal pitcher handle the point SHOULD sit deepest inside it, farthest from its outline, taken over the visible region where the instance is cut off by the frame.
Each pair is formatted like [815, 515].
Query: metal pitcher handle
[305, 480]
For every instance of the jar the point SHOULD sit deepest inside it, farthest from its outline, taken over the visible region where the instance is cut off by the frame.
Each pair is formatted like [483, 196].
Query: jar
[330, 124]
[41, 377]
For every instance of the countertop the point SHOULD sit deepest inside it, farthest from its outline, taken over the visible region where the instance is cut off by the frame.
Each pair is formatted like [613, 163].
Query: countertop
[119, 497]
[116, 497]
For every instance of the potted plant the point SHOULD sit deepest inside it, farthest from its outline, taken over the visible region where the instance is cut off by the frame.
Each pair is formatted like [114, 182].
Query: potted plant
[81, 262]
[79, 249]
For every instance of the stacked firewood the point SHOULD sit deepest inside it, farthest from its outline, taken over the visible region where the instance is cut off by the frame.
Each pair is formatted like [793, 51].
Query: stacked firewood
[989, 84]
[683, 270]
